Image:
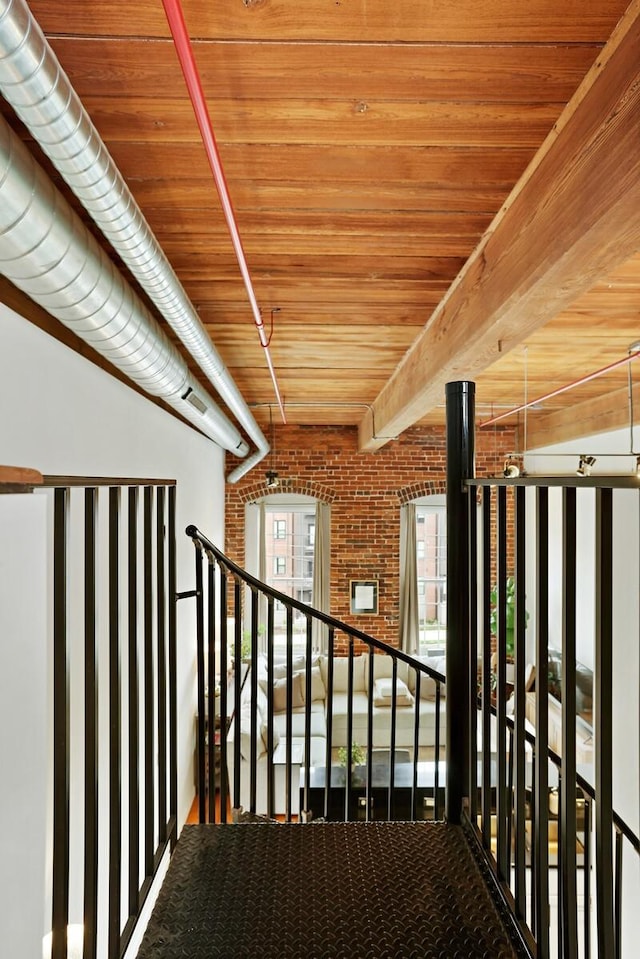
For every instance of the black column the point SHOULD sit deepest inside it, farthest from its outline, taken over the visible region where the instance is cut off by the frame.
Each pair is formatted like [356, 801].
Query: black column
[460, 466]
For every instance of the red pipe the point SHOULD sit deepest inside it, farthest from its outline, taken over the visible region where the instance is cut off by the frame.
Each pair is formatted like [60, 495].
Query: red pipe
[561, 389]
[177, 25]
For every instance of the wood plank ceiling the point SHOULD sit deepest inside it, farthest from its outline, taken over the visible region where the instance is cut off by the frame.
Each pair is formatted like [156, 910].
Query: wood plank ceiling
[369, 148]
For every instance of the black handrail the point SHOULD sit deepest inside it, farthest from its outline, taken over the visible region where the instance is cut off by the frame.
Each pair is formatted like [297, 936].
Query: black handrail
[199, 538]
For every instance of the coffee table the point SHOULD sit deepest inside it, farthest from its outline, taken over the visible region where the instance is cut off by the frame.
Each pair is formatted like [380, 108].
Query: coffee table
[328, 799]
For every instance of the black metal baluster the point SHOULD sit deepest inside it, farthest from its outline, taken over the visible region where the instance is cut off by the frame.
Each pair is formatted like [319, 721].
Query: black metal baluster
[237, 690]
[307, 718]
[586, 869]
[161, 665]
[211, 685]
[328, 764]
[289, 716]
[253, 679]
[392, 744]
[518, 743]
[541, 850]
[149, 706]
[134, 706]
[271, 786]
[502, 856]
[486, 668]
[436, 771]
[347, 790]
[91, 732]
[224, 698]
[61, 770]
[473, 661]
[173, 690]
[200, 680]
[603, 729]
[617, 896]
[368, 793]
[416, 746]
[568, 826]
[115, 760]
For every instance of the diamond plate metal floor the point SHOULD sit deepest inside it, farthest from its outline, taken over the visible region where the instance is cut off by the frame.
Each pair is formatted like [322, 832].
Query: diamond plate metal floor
[323, 891]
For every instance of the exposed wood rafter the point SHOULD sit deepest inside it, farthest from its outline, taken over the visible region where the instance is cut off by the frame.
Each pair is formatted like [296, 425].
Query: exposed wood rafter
[572, 218]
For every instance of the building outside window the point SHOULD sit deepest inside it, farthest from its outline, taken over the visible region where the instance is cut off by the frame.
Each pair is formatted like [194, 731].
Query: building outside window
[290, 553]
[431, 550]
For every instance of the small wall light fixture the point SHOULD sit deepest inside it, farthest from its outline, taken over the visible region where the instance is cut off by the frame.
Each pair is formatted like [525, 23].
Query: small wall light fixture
[511, 468]
[272, 479]
[585, 464]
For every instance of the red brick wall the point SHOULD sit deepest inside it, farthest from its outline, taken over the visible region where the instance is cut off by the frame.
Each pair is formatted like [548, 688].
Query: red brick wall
[366, 491]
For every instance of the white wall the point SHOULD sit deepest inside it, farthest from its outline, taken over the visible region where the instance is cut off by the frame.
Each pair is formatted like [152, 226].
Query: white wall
[62, 415]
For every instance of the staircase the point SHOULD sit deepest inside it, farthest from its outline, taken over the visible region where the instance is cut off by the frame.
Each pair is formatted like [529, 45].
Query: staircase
[293, 891]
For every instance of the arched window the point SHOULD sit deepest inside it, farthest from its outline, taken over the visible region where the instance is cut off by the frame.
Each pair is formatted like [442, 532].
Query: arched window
[423, 575]
[287, 547]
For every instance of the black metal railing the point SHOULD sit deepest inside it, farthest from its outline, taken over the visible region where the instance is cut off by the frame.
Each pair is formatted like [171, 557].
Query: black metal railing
[114, 696]
[543, 800]
[241, 763]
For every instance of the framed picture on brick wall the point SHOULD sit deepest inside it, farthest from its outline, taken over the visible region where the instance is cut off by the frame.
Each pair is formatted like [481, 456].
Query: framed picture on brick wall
[364, 596]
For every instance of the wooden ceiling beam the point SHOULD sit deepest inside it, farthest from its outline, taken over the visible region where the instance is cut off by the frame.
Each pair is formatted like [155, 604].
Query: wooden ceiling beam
[572, 217]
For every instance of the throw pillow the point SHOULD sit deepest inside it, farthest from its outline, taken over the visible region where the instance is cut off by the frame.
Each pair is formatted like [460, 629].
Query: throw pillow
[383, 692]
[280, 693]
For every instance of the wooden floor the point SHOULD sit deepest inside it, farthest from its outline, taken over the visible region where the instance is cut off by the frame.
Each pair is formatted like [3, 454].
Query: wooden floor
[325, 890]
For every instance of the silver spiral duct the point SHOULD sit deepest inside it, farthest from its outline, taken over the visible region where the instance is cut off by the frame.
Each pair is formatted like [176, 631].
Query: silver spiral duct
[47, 252]
[34, 83]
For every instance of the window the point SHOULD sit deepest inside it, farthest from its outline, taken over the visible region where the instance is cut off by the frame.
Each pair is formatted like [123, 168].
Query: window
[279, 565]
[311, 535]
[431, 555]
[279, 529]
[290, 557]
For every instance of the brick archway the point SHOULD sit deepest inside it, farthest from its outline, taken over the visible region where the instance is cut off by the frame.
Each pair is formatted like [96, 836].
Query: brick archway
[426, 488]
[293, 485]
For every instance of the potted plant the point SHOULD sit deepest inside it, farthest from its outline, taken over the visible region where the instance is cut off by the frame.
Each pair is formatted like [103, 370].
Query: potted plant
[510, 622]
[358, 757]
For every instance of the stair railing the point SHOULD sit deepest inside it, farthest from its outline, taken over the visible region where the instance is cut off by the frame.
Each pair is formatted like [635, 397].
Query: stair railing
[114, 691]
[538, 803]
[220, 589]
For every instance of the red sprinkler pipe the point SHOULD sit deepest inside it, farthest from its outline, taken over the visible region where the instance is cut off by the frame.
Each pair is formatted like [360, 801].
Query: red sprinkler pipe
[177, 25]
[561, 389]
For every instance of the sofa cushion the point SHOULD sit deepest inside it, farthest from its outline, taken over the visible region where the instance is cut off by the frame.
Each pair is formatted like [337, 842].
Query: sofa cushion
[383, 667]
[317, 726]
[383, 692]
[245, 733]
[341, 672]
[280, 692]
[427, 683]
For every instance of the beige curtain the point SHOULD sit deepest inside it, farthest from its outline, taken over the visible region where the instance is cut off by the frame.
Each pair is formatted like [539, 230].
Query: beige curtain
[321, 573]
[408, 620]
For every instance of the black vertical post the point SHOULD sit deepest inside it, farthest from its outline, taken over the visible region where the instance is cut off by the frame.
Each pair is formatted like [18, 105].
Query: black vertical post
[161, 663]
[60, 888]
[115, 759]
[90, 727]
[134, 705]
[460, 467]
[173, 689]
[569, 923]
[149, 741]
[603, 728]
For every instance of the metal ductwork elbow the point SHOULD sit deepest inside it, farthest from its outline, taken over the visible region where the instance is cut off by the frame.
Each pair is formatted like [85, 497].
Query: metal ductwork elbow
[34, 83]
